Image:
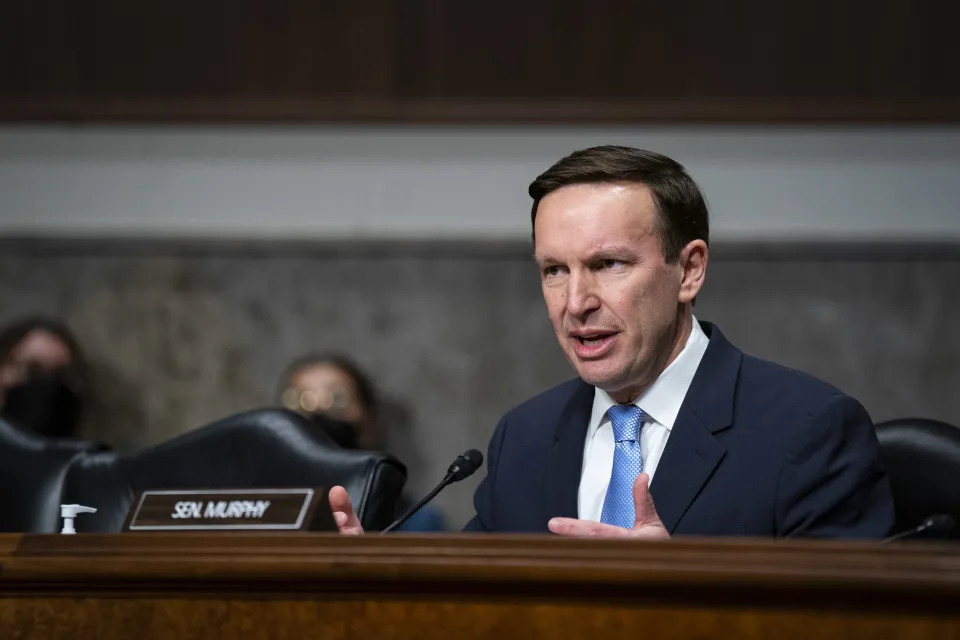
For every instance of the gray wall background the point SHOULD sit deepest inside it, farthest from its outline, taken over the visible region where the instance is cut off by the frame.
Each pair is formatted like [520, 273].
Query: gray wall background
[184, 332]
[394, 182]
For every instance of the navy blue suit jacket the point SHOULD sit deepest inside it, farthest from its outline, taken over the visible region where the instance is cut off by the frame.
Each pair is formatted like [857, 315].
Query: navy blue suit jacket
[757, 449]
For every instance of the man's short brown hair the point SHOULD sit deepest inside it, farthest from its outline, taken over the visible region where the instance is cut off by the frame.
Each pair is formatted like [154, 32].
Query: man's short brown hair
[682, 208]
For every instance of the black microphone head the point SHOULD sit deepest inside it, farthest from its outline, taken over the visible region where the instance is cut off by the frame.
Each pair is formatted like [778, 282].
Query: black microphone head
[940, 523]
[465, 464]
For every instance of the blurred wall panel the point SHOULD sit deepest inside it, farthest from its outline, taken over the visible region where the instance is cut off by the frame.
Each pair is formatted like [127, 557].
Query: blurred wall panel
[443, 60]
[791, 183]
[184, 332]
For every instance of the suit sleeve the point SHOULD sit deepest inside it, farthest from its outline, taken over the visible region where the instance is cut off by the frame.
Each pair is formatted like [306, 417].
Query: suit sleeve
[832, 484]
[483, 499]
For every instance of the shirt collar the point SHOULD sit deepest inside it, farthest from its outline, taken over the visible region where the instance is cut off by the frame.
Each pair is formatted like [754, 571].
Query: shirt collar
[661, 402]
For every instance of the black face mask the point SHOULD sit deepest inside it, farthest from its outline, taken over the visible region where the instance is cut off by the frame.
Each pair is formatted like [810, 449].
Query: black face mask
[44, 403]
[343, 433]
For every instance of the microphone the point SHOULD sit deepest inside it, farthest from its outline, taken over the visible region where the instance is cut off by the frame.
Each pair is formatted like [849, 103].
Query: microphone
[939, 523]
[463, 467]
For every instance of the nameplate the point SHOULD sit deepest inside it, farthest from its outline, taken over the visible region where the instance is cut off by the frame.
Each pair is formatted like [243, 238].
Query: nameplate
[231, 510]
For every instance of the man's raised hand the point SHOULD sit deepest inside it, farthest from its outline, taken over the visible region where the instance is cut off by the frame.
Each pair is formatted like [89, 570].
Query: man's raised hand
[343, 514]
[646, 524]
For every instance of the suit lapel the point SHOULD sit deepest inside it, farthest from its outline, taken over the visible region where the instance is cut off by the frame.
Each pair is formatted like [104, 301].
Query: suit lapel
[693, 451]
[562, 481]
[691, 455]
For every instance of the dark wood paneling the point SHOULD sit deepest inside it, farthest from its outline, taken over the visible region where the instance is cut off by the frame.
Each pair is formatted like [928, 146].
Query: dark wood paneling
[792, 574]
[441, 60]
[324, 586]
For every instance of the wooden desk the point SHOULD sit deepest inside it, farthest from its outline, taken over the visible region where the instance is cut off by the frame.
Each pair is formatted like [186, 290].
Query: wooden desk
[252, 586]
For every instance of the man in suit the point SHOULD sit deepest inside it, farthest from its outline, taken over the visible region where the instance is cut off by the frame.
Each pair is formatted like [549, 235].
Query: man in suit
[669, 429]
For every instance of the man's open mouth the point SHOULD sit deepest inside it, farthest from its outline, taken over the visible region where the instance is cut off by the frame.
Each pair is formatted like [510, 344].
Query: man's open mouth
[593, 340]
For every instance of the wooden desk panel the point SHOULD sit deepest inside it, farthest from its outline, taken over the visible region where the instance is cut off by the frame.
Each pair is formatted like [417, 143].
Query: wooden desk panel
[255, 586]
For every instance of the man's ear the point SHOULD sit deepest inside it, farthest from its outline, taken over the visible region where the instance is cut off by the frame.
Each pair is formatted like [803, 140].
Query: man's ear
[693, 261]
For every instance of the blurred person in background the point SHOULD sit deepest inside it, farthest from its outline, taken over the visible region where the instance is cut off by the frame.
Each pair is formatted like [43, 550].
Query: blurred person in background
[341, 400]
[43, 377]
[337, 396]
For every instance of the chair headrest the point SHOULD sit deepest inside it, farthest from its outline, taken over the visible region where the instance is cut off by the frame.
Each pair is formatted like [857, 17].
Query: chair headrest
[263, 448]
[922, 459]
[920, 436]
[13, 436]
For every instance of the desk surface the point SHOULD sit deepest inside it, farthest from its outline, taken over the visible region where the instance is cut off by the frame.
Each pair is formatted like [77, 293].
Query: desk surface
[168, 585]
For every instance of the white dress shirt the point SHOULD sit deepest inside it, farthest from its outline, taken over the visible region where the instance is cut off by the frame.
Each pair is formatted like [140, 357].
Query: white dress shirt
[661, 404]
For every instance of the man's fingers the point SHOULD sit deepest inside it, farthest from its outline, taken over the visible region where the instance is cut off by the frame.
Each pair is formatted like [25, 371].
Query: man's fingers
[343, 514]
[585, 529]
[644, 510]
[340, 500]
[647, 526]
[647, 523]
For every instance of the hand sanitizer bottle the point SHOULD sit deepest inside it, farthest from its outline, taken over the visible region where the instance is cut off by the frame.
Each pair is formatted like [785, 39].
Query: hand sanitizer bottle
[68, 512]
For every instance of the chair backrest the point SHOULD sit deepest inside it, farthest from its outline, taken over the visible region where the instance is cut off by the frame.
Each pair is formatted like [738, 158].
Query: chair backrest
[32, 471]
[922, 458]
[265, 448]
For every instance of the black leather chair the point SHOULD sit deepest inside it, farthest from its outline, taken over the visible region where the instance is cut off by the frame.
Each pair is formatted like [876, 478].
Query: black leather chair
[32, 471]
[922, 458]
[267, 448]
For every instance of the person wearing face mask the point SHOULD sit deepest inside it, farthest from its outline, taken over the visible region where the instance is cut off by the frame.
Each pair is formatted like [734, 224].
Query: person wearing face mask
[42, 377]
[340, 399]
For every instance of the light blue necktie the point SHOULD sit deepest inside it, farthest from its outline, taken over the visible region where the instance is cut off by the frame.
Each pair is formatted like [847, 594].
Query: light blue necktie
[627, 465]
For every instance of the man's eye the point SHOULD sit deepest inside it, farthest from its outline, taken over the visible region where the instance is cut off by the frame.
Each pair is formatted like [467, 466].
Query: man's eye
[611, 263]
[554, 270]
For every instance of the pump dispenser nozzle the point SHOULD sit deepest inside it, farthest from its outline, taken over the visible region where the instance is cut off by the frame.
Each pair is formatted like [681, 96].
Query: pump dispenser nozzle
[68, 512]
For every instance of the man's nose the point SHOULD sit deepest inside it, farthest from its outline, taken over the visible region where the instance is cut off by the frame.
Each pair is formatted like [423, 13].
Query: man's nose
[581, 294]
